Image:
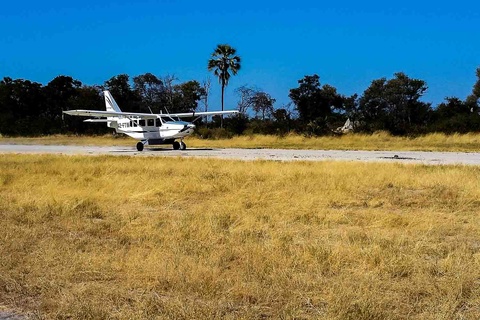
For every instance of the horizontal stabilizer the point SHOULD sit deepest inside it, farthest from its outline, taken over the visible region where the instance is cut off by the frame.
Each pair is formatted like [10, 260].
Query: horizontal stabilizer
[97, 120]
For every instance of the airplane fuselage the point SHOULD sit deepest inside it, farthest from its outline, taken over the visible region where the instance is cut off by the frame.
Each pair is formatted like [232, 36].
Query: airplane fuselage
[152, 130]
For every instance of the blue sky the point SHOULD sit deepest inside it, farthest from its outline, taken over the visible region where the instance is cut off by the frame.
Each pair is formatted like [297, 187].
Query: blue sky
[347, 43]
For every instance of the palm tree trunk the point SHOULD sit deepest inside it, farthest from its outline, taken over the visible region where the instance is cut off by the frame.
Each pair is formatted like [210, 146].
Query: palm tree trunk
[223, 90]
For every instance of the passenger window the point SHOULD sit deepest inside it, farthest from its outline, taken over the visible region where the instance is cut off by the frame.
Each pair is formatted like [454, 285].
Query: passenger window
[141, 123]
[158, 122]
[151, 122]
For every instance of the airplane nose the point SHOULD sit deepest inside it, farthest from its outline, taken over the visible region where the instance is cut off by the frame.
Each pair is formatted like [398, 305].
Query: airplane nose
[191, 126]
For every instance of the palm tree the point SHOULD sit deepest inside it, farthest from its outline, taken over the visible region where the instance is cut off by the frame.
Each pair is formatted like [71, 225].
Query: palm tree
[222, 61]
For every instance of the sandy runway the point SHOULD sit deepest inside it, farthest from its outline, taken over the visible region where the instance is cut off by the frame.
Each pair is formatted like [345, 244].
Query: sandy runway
[256, 154]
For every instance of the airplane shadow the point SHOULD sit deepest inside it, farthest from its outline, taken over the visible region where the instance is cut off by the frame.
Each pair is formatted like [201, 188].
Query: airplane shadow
[160, 150]
[171, 150]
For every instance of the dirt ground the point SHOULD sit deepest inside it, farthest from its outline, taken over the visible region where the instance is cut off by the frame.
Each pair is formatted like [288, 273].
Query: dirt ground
[419, 157]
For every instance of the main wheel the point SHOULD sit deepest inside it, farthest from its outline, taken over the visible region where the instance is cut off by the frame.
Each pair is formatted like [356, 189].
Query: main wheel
[183, 146]
[176, 145]
[140, 146]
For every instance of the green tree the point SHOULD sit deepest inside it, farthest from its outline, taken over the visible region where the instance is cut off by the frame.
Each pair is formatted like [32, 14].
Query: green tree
[22, 108]
[89, 98]
[476, 86]
[7, 116]
[351, 109]
[252, 98]
[124, 95]
[455, 116]
[187, 95]
[223, 61]
[316, 104]
[283, 119]
[59, 92]
[150, 90]
[168, 93]
[373, 106]
[262, 103]
[395, 105]
[472, 100]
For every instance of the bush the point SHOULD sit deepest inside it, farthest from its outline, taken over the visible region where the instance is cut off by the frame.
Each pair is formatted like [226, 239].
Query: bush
[214, 133]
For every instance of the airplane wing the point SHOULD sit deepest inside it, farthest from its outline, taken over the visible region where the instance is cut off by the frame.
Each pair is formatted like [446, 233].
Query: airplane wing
[199, 114]
[99, 113]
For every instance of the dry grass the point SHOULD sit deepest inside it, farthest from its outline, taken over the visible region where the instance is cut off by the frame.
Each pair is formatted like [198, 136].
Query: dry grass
[105, 140]
[378, 141]
[143, 238]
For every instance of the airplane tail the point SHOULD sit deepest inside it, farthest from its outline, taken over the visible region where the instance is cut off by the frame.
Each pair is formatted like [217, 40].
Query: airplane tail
[110, 102]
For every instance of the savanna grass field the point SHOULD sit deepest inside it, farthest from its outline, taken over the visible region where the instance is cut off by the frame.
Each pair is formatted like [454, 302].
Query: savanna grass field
[100, 237]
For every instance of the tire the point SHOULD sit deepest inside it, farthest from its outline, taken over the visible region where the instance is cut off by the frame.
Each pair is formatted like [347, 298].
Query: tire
[140, 146]
[183, 146]
[176, 145]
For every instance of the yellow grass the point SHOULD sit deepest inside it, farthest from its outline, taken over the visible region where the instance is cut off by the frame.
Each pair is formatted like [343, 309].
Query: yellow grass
[105, 140]
[144, 238]
[378, 141]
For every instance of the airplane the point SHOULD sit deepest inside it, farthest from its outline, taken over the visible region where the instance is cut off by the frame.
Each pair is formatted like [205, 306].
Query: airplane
[149, 128]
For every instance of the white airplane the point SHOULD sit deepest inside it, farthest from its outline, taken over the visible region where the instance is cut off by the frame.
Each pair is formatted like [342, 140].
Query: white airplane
[149, 128]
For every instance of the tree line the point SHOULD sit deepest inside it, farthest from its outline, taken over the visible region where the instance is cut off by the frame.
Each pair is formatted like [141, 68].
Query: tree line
[394, 105]
[29, 108]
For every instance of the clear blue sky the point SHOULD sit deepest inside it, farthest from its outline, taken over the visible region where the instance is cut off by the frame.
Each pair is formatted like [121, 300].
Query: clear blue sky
[347, 43]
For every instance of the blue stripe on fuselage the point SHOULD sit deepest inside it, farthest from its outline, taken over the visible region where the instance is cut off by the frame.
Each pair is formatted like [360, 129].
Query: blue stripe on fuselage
[183, 123]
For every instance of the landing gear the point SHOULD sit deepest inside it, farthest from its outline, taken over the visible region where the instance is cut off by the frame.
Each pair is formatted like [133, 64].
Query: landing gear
[140, 146]
[179, 145]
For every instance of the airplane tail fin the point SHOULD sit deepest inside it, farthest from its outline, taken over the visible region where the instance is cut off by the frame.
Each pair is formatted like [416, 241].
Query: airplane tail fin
[110, 102]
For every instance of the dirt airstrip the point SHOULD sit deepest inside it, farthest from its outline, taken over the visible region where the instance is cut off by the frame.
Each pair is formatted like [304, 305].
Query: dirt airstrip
[419, 157]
